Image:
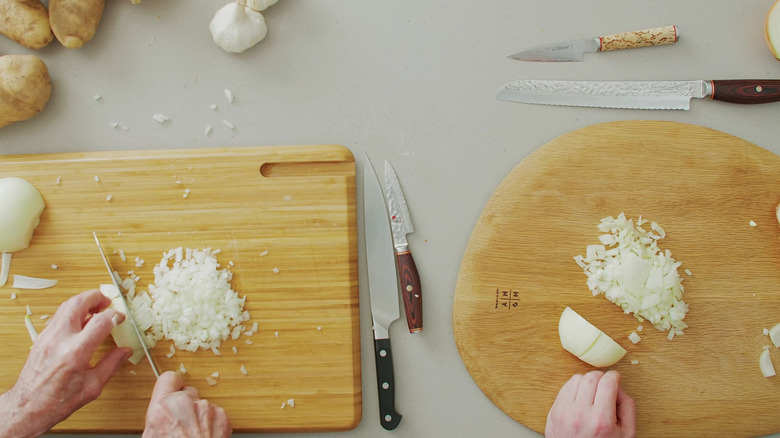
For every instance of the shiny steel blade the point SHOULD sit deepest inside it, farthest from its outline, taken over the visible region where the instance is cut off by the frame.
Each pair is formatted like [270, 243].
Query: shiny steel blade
[560, 52]
[607, 94]
[129, 316]
[382, 278]
[400, 219]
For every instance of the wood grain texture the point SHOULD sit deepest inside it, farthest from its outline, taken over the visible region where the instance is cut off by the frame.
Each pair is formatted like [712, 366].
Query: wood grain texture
[703, 187]
[658, 36]
[287, 208]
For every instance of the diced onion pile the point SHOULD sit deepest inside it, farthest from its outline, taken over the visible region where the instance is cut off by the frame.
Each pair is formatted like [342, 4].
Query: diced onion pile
[633, 272]
[190, 303]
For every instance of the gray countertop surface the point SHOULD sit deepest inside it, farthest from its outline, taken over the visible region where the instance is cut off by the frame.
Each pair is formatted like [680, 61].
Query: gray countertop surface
[412, 82]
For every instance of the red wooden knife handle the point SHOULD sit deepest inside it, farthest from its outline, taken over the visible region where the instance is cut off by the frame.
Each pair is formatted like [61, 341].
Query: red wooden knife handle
[410, 290]
[746, 91]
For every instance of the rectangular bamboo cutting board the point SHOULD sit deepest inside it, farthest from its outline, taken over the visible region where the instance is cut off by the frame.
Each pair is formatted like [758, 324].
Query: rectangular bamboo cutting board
[704, 187]
[284, 219]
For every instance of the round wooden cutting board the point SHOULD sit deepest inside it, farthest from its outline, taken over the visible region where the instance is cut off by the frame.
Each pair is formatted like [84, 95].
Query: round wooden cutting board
[703, 187]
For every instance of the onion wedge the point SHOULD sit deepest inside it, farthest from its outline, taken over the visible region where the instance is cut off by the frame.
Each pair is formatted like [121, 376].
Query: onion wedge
[5, 269]
[24, 282]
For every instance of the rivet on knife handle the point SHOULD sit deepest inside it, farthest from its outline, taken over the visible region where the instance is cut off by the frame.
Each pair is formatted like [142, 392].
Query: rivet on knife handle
[640, 38]
[386, 384]
[411, 290]
[746, 91]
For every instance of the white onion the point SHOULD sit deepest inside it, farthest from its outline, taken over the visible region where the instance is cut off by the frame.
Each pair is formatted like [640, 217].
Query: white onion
[765, 363]
[635, 273]
[24, 282]
[21, 206]
[191, 302]
[774, 335]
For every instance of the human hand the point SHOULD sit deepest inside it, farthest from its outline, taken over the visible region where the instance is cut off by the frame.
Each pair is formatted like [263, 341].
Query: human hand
[57, 379]
[177, 410]
[593, 405]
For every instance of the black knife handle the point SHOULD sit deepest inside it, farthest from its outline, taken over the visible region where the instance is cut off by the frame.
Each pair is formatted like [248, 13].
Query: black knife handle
[385, 383]
[746, 91]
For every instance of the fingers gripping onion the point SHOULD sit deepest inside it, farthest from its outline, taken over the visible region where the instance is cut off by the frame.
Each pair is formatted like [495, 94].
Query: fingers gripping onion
[124, 334]
[21, 206]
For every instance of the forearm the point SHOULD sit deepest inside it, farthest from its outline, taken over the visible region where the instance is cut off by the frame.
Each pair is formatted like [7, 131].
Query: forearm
[19, 417]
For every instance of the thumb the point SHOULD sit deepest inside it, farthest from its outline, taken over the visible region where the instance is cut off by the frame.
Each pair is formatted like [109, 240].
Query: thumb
[167, 383]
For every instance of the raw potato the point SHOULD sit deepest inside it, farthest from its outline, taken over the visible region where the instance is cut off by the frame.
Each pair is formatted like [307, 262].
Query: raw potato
[26, 22]
[74, 22]
[25, 87]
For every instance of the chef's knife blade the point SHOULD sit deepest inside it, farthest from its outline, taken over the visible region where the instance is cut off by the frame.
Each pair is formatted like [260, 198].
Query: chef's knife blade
[401, 224]
[575, 50]
[640, 94]
[383, 286]
[128, 316]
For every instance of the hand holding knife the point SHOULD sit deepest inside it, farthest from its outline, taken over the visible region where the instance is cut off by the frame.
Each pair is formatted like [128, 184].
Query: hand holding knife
[401, 223]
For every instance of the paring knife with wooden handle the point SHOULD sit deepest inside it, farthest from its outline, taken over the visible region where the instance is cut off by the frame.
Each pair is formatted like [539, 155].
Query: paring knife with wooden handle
[576, 50]
[401, 224]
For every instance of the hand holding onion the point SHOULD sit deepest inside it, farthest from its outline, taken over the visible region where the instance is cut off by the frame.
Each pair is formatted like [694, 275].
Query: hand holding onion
[593, 406]
[58, 378]
[177, 410]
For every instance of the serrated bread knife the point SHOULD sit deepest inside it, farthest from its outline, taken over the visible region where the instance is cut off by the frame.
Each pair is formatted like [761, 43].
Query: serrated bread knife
[575, 50]
[383, 286]
[640, 94]
[401, 224]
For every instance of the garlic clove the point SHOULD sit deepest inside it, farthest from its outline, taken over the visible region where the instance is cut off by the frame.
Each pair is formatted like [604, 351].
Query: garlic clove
[260, 5]
[235, 28]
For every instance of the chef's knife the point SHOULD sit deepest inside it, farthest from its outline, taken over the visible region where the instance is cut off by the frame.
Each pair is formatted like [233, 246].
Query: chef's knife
[128, 316]
[575, 50]
[640, 94]
[401, 224]
[383, 285]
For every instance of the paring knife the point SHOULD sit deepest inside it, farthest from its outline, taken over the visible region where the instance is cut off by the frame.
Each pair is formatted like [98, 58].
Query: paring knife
[575, 50]
[401, 224]
[128, 316]
[640, 94]
[383, 285]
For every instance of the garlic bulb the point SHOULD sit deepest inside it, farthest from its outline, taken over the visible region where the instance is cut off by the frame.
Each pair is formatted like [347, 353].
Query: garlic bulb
[236, 28]
[260, 5]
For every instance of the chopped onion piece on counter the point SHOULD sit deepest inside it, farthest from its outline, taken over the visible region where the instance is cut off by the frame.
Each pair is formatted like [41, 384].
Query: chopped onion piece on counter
[634, 338]
[774, 335]
[24, 282]
[211, 381]
[30, 327]
[765, 363]
[635, 273]
[243, 370]
[752, 224]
